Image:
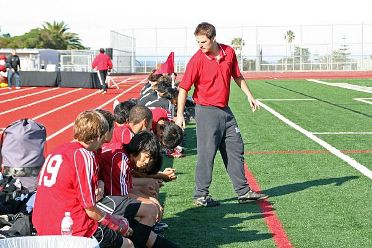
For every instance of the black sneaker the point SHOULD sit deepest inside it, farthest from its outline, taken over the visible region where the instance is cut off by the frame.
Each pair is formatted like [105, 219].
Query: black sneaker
[251, 196]
[206, 201]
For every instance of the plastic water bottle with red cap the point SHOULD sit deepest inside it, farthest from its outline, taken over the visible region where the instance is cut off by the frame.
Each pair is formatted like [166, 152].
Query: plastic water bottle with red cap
[66, 224]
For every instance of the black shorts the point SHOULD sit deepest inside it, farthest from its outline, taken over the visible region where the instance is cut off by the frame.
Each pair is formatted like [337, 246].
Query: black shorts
[107, 237]
[120, 205]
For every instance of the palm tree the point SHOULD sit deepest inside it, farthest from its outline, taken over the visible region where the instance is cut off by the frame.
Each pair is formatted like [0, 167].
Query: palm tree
[238, 43]
[55, 36]
[289, 37]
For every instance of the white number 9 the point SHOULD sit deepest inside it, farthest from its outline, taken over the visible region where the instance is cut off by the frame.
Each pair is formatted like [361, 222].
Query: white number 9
[52, 167]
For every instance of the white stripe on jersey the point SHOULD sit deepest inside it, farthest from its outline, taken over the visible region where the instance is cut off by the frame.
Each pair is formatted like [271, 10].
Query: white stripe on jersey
[123, 134]
[88, 160]
[123, 175]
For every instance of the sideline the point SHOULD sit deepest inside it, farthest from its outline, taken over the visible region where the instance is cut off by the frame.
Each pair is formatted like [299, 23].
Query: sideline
[353, 163]
[272, 220]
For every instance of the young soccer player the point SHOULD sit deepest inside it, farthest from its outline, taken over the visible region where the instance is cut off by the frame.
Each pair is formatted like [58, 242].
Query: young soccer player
[67, 183]
[117, 161]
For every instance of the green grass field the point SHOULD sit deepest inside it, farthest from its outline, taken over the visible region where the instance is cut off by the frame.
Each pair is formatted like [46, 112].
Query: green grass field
[319, 198]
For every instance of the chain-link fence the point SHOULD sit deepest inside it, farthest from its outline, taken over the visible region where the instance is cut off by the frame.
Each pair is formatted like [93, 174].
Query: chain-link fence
[258, 48]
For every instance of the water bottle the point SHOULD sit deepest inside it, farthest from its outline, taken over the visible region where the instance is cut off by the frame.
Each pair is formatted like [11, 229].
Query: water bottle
[66, 224]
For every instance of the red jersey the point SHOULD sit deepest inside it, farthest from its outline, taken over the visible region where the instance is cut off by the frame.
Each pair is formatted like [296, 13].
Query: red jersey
[116, 169]
[158, 114]
[210, 77]
[122, 134]
[102, 62]
[67, 183]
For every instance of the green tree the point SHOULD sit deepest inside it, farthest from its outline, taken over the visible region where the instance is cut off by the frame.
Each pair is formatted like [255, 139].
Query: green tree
[289, 37]
[51, 35]
[237, 44]
[55, 36]
[304, 53]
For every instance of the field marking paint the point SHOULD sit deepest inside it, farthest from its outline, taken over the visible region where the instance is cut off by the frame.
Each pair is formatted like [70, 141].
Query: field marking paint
[109, 101]
[123, 81]
[15, 91]
[344, 85]
[272, 220]
[289, 99]
[342, 133]
[64, 106]
[365, 100]
[36, 93]
[353, 163]
[302, 152]
[46, 99]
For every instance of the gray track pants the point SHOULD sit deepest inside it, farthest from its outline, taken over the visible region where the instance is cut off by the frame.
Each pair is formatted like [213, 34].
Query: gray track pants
[216, 129]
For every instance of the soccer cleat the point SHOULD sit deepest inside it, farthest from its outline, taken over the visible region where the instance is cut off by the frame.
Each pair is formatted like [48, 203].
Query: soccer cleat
[206, 201]
[251, 196]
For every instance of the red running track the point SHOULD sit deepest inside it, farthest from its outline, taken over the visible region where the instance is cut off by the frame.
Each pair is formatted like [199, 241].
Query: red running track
[57, 108]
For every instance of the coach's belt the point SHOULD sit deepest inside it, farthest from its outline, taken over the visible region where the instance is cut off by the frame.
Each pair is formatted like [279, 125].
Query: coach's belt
[21, 172]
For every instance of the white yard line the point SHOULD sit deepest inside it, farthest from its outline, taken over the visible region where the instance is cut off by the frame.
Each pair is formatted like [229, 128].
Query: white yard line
[15, 91]
[342, 133]
[109, 101]
[344, 85]
[288, 99]
[37, 102]
[361, 168]
[365, 100]
[36, 93]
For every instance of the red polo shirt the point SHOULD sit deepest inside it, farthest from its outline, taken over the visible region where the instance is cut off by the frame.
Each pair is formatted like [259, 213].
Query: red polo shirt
[210, 77]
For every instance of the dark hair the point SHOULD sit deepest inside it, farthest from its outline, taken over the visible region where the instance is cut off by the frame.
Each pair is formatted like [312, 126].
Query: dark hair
[172, 135]
[206, 29]
[139, 113]
[170, 93]
[102, 50]
[153, 77]
[108, 116]
[122, 110]
[146, 141]
[163, 84]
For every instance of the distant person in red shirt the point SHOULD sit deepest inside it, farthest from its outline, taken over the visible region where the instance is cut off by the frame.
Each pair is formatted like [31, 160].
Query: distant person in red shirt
[210, 71]
[103, 64]
[67, 183]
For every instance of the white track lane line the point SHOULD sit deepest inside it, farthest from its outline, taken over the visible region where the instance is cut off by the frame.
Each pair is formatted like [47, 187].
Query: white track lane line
[361, 168]
[109, 101]
[15, 91]
[63, 106]
[36, 93]
[46, 99]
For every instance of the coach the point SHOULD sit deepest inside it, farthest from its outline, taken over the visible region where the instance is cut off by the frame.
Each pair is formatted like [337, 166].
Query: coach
[210, 71]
